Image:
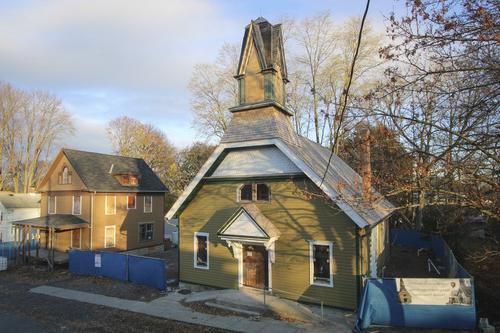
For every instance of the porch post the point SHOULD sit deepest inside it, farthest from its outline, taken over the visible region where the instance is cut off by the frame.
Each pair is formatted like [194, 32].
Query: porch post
[24, 244]
[29, 243]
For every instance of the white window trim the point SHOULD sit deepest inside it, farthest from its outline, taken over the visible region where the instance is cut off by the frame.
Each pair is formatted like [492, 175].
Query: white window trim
[311, 263]
[55, 205]
[145, 211]
[135, 201]
[114, 236]
[238, 193]
[73, 205]
[106, 205]
[195, 247]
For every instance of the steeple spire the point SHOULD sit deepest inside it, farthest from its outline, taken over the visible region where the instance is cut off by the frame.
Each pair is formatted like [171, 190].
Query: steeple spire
[262, 72]
[261, 112]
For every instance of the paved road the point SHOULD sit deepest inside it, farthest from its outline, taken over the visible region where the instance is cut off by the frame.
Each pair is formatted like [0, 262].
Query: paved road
[11, 323]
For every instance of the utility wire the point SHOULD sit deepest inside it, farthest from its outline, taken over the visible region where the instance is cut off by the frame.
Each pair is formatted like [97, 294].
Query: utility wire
[346, 91]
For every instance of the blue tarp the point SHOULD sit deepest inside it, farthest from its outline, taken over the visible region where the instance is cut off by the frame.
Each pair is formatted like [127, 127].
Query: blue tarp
[380, 305]
[380, 302]
[119, 266]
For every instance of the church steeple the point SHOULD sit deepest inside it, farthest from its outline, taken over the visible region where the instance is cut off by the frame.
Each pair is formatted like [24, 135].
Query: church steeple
[262, 73]
[260, 113]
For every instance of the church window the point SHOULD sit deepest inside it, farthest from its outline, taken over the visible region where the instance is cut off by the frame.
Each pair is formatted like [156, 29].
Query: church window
[245, 192]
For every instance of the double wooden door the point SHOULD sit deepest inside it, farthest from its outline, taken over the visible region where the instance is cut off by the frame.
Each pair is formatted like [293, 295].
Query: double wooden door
[255, 269]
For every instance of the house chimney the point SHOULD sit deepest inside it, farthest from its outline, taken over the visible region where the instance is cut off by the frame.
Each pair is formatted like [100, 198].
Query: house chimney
[366, 167]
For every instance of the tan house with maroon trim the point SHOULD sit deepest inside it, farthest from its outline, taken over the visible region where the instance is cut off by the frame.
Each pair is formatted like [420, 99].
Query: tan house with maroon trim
[98, 201]
[271, 209]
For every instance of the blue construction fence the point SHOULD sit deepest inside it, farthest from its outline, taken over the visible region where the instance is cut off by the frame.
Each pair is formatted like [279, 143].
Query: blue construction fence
[120, 266]
[381, 302]
[9, 250]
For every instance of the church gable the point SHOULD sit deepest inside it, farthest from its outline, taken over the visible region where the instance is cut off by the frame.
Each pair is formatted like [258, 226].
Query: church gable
[255, 161]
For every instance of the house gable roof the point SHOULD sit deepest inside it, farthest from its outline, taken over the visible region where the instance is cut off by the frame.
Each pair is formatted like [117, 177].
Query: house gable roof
[98, 172]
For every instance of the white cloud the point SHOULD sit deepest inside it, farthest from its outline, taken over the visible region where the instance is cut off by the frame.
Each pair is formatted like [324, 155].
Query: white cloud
[131, 44]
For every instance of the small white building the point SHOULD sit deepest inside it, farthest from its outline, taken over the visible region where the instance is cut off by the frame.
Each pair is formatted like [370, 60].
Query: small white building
[14, 207]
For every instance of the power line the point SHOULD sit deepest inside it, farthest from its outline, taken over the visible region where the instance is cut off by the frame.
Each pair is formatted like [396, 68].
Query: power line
[346, 91]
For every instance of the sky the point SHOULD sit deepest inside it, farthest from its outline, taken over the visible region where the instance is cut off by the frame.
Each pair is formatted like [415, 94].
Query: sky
[111, 58]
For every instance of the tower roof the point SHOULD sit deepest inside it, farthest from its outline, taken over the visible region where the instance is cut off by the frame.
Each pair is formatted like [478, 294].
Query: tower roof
[268, 41]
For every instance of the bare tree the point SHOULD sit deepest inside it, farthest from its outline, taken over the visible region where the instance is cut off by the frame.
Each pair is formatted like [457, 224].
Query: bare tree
[32, 124]
[315, 39]
[132, 138]
[442, 96]
[214, 90]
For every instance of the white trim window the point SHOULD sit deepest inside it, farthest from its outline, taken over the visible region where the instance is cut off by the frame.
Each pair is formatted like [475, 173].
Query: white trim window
[77, 205]
[245, 193]
[148, 203]
[201, 250]
[52, 204]
[321, 263]
[110, 205]
[109, 236]
[131, 201]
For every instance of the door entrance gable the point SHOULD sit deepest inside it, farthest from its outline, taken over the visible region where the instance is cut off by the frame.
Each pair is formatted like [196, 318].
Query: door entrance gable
[242, 225]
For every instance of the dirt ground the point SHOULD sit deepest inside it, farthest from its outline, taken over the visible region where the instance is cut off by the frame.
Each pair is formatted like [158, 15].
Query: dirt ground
[56, 314]
[404, 262]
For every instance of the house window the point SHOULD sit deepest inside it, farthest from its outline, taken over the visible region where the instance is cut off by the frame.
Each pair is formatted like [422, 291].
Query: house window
[241, 90]
[65, 176]
[145, 231]
[128, 180]
[77, 205]
[262, 192]
[52, 204]
[110, 205]
[268, 86]
[148, 204]
[201, 259]
[245, 192]
[321, 258]
[109, 236]
[131, 202]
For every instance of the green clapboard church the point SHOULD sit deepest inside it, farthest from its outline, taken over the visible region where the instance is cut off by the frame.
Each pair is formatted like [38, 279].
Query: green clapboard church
[259, 213]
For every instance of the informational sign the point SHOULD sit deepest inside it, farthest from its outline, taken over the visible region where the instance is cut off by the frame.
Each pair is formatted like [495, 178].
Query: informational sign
[434, 291]
[97, 260]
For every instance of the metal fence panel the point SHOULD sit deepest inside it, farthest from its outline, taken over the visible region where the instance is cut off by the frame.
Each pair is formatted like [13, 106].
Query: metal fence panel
[119, 266]
[148, 271]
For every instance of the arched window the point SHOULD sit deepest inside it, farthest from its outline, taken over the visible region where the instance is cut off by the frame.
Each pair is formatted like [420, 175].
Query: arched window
[263, 192]
[245, 192]
[65, 176]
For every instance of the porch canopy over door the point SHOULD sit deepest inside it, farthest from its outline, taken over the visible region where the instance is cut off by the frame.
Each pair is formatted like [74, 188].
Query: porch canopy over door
[248, 226]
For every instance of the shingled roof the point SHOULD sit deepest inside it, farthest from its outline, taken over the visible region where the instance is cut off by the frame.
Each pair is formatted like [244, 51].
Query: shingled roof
[97, 171]
[260, 123]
